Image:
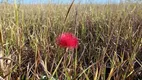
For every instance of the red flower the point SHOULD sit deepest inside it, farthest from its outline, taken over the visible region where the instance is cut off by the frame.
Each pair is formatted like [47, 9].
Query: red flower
[67, 40]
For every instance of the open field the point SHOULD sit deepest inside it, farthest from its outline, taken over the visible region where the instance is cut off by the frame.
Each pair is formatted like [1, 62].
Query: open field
[110, 42]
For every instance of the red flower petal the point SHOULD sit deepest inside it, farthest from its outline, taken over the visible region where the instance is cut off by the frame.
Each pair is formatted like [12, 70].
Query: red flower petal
[67, 40]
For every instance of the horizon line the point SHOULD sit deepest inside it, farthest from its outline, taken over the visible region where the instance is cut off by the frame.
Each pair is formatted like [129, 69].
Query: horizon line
[62, 1]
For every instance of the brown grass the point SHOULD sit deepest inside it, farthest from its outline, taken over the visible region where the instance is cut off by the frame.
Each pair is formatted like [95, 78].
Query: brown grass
[110, 41]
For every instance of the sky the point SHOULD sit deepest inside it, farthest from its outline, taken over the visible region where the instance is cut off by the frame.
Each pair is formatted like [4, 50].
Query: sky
[63, 1]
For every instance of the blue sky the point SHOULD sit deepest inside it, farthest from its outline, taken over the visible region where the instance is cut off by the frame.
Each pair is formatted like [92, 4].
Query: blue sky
[64, 1]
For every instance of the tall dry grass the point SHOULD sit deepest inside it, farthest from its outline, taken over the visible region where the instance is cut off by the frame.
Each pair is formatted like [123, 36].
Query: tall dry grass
[110, 41]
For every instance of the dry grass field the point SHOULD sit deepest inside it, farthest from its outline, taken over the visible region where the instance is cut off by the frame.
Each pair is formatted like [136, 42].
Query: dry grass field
[110, 41]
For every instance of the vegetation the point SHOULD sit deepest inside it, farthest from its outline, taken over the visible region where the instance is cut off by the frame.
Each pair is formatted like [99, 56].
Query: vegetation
[110, 41]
